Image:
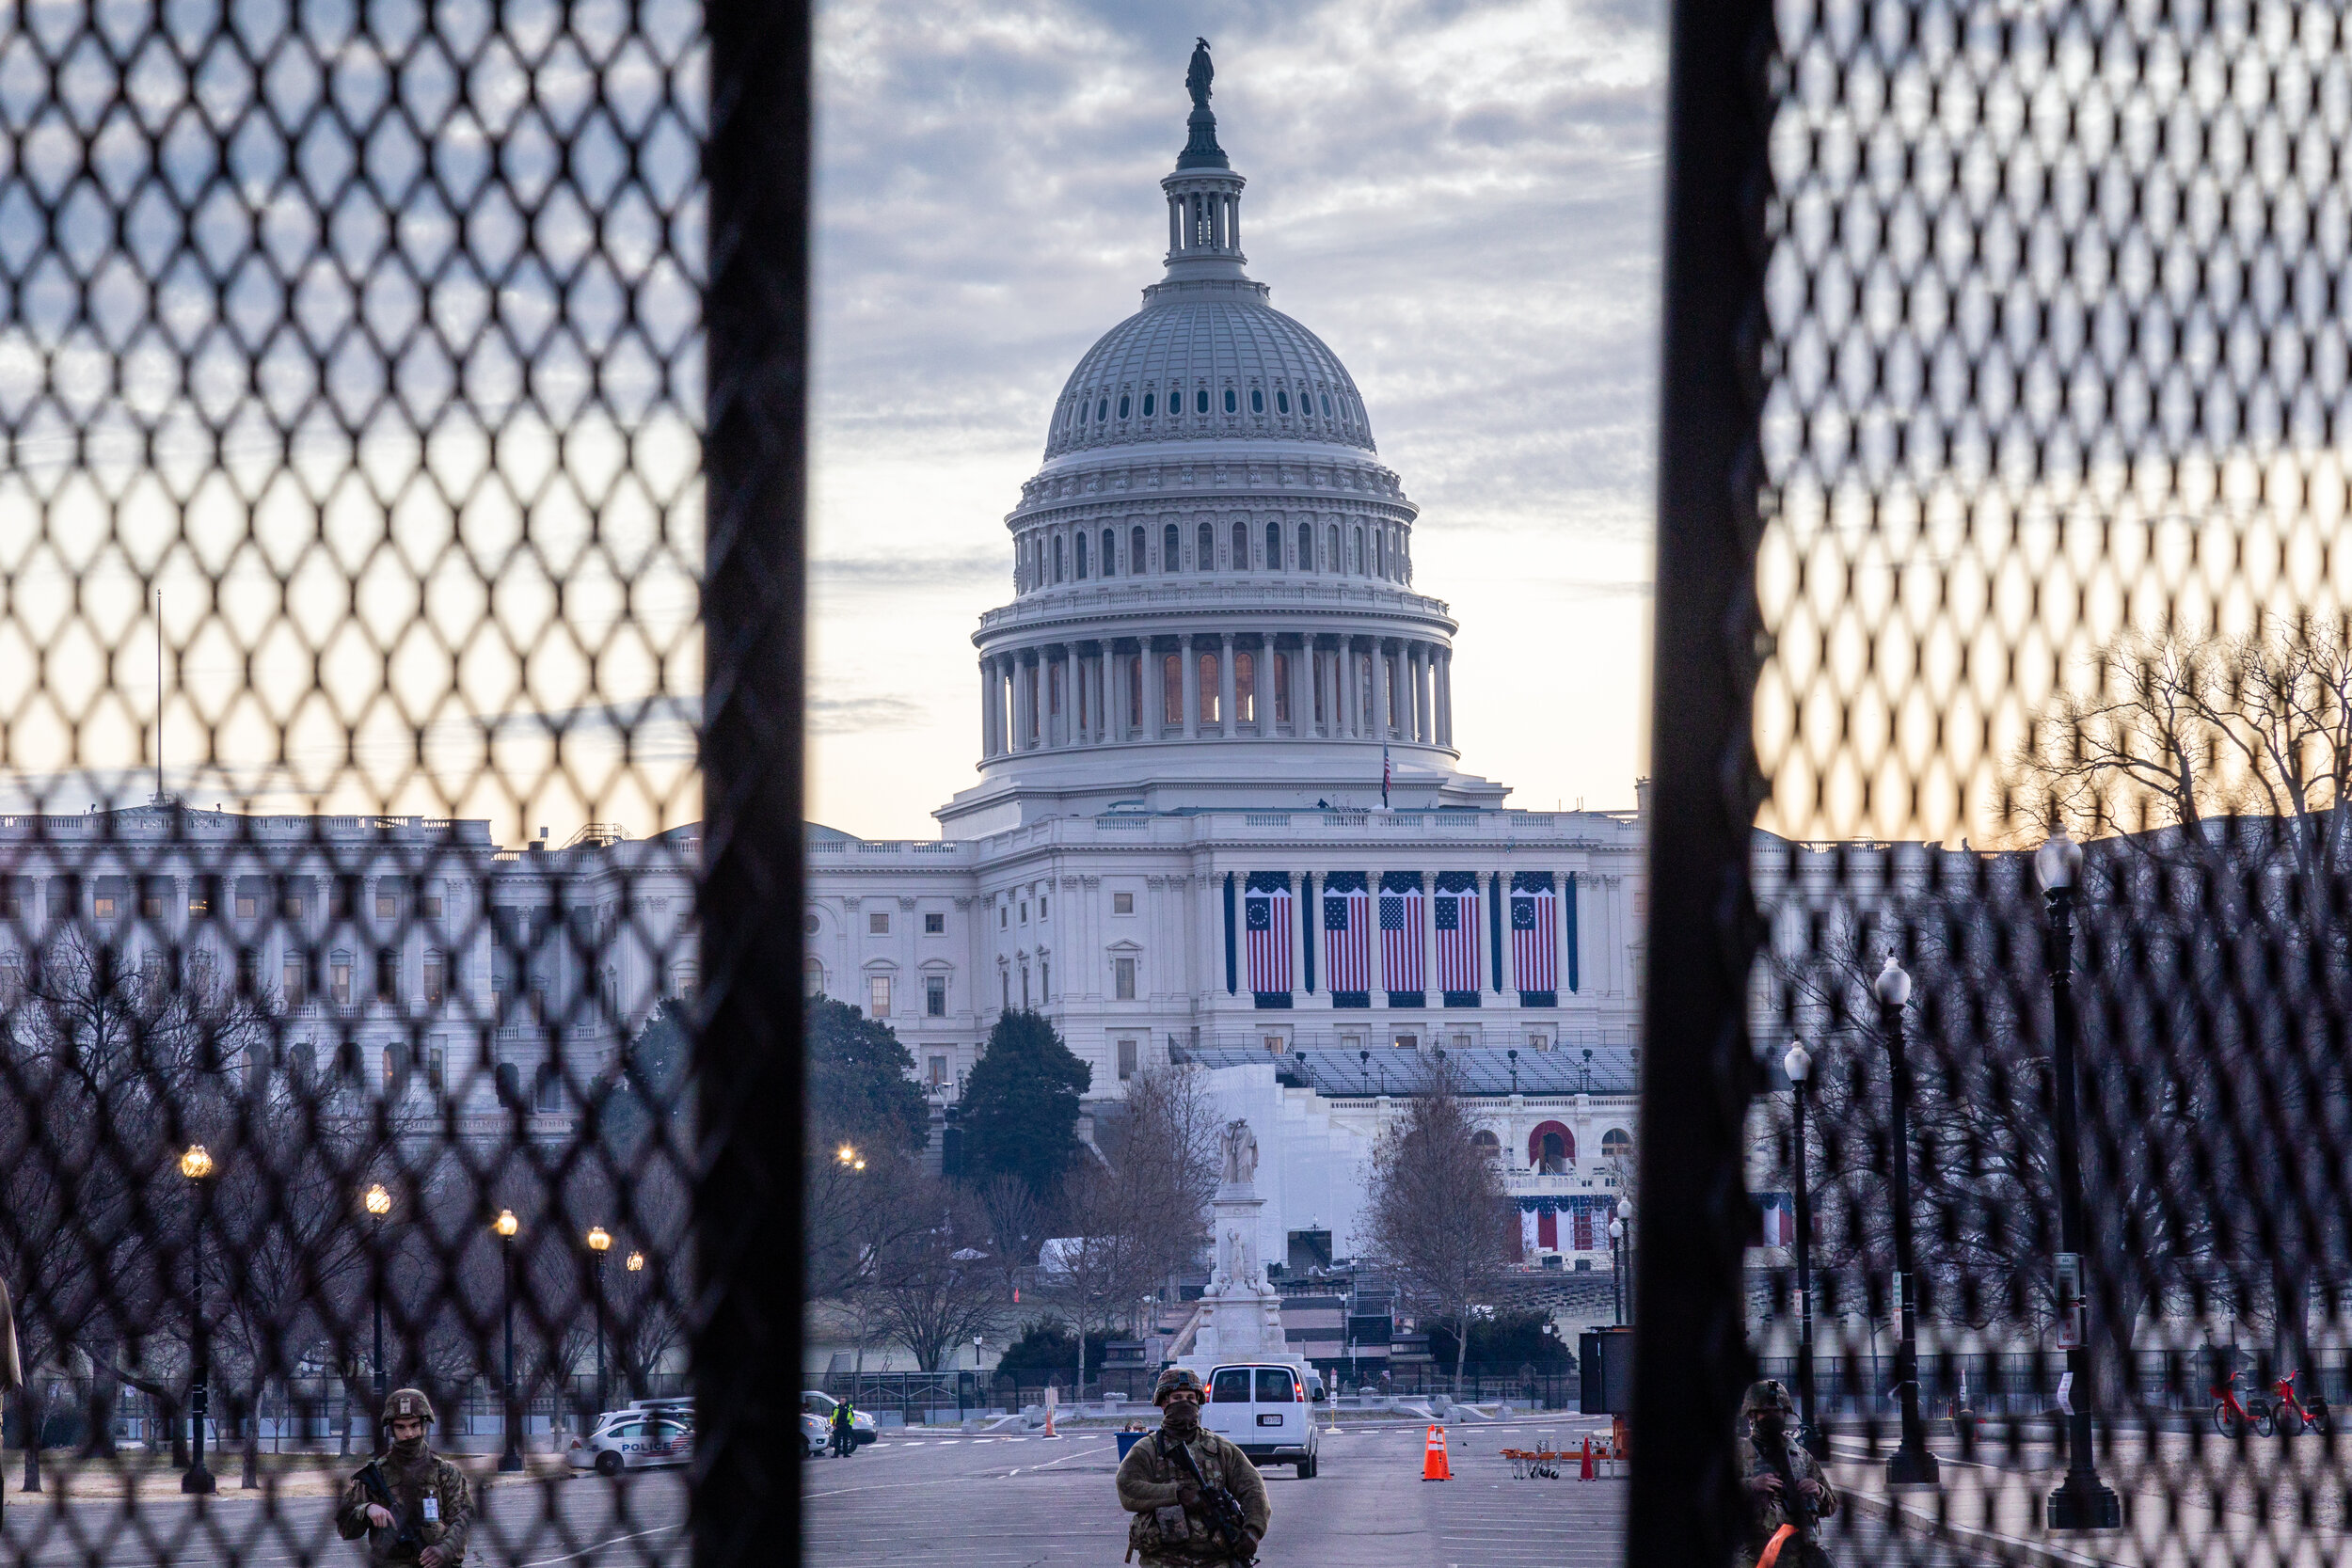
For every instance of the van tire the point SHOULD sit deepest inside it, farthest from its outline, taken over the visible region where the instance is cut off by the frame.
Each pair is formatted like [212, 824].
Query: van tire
[1307, 1468]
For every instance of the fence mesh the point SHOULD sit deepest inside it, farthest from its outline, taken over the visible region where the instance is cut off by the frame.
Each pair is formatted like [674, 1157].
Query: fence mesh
[2051, 692]
[351, 546]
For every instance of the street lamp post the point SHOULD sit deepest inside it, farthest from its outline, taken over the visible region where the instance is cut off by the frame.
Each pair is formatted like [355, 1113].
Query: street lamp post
[195, 1164]
[1799, 1065]
[506, 1225]
[1912, 1465]
[1617, 1269]
[599, 1242]
[2082, 1501]
[1625, 1222]
[378, 1203]
[635, 1263]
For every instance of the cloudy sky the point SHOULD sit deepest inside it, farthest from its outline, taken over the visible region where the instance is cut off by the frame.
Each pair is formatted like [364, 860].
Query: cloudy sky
[1461, 200]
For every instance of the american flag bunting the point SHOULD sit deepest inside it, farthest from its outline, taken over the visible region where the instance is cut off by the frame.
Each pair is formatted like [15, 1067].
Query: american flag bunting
[1535, 933]
[1346, 935]
[1457, 936]
[1403, 967]
[1268, 917]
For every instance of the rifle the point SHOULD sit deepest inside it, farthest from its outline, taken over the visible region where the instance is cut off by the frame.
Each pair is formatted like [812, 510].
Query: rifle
[1795, 1506]
[1226, 1518]
[370, 1478]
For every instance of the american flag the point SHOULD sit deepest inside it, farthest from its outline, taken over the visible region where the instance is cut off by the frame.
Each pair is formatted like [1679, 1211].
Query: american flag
[1269, 922]
[1347, 937]
[1534, 934]
[1402, 966]
[1458, 937]
[1388, 772]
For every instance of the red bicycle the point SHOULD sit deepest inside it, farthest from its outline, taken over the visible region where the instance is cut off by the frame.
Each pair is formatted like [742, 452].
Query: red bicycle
[2231, 1419]
[2291, 1414]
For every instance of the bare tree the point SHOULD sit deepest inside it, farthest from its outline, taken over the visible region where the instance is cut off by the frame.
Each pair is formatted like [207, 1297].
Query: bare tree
[1435, 1213]
[937, 1286]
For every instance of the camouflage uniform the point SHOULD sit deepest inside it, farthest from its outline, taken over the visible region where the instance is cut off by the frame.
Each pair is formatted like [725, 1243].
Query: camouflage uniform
[412, 1480]
[1162, 1534]
[1766, 1512]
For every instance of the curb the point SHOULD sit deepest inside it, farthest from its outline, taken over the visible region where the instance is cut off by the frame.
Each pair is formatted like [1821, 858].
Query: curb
[2001, 1548]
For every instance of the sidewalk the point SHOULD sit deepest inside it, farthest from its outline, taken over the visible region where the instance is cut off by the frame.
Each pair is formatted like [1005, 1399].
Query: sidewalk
[154, 1478]
[2170, 1517]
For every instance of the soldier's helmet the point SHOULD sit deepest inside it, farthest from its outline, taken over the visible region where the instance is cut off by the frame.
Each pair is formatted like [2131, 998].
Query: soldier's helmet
[1770, 1394]
[1174, 1378]
[407, 1402]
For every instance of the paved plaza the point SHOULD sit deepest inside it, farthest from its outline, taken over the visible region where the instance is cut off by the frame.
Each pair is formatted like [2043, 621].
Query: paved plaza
[632, 1521]
[1033, 1501]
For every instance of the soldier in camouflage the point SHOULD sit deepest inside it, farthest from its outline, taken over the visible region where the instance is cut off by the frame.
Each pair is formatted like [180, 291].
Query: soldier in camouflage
[1170, 1528]
[1772, 1463]
[432, 1493]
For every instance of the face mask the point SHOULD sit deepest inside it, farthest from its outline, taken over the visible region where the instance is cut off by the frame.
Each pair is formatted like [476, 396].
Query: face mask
[409, 1448]
[1180, 1416]
[1771, 1426]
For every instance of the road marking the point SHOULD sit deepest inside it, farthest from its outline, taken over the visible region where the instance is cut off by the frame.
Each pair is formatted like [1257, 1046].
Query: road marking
[574, 1556]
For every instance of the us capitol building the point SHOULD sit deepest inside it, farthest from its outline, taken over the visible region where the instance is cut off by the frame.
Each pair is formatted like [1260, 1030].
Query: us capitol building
[1177, 847]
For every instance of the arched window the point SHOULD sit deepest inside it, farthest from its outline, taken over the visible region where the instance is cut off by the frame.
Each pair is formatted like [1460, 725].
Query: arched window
[1110, 553]
[1147, 405]
[1136, 562]
[1306, 547]
[1616, 1145]
[1245, 687]
[1082, 558]
[1281, 689]
[1379, 554]
[1172, 691]
[1057, 563]
[1273, 547]
[1232, 405]
[1082, 413]
[1123, 406]
[395, 1072]
[304, 1062]
[1211, 711]
[1326, 405]
[1487, 1143]
[1281, 400]
[1208, 549]
[1331, 554]
[1257, 400]
[1171, 551]
[1101, 410]
[1201, 401]
[812, 975]
[1241, 546]
[1356, 556]
[1550, 1146]
[1135, 692]
[546, 1089]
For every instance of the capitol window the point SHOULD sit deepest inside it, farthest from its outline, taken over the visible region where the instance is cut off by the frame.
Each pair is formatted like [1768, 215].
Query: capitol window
[1170, 549]
[1123, 406]
[1241, 546]
[1122, 903]
[1082, 557]
[1232, 403]
[1201, 401]
[812, 976]
[1273, 547]
[1173, 691]
[1331, 554]
[1246, 688]
[936, 923]
[878, 923]
[1210, 713]
[1124, 979]
[1326, 405]
[1306, 547]
[1147, 405]
[1257, 400]
[878, 996]
[1126, 1060]
[1356, 563]
[1616, 1145]
[934, 996]
[1057, 561]
[1281, 689]
[1110, 553]
[1281, 401]
[1136, 562]
[1101, 410]
[1206, 560]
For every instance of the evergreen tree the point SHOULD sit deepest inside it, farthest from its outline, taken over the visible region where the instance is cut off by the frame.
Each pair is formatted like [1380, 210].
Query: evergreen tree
[861, 1082]
[1021, 1106]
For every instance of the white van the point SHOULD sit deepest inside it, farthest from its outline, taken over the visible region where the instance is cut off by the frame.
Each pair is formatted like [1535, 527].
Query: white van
[1262, 1407]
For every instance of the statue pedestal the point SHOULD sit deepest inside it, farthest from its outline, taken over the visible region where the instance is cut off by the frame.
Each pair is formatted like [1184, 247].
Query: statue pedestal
[1241, 1316]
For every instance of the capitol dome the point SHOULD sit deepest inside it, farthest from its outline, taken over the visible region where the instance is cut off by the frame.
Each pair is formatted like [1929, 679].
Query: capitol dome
[1212, 570]
[1207, 359]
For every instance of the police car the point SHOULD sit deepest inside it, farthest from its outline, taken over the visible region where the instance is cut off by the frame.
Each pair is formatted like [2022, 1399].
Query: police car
[1264, 1409]
[816, 1423]
[634, 1439]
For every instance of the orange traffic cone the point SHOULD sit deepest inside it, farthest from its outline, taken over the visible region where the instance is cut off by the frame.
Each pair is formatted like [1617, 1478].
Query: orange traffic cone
[1584, 1472]
[1433, 1465]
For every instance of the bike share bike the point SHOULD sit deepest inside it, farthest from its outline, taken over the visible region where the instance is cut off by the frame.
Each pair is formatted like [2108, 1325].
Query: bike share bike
[2283, 1415]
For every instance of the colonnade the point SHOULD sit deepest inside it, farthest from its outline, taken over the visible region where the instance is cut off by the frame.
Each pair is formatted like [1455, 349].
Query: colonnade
[1335, 685]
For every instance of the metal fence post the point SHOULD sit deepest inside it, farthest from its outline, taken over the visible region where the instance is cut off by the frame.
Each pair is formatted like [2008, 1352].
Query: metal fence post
[746, 1351]
[1690, 1353]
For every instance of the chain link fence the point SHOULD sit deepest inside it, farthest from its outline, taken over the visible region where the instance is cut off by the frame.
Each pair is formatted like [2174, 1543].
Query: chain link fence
[398, 767]
[2000, 1102]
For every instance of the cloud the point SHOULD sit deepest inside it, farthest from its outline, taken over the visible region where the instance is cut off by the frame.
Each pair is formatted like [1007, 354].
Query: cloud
[858, 714]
